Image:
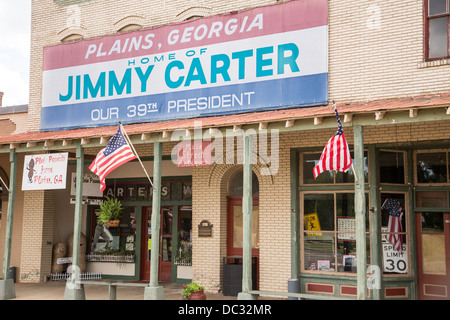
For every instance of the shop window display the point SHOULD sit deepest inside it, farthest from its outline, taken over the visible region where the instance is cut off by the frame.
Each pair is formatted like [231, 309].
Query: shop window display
[107, 241]
[329, 232]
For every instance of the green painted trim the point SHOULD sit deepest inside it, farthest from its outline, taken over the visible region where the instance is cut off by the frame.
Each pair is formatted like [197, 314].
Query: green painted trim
[360, 214]
[10, 216]
[295, 214]
[247, 204]
[375, 221]
[412, 227]
[156, 215]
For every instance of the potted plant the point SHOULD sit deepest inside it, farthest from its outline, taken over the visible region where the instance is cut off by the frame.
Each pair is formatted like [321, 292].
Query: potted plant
[109, 212]
[193, 291]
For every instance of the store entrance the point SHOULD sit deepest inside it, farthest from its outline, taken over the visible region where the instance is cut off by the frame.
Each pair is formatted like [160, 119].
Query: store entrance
[433, 247]
[165, 244]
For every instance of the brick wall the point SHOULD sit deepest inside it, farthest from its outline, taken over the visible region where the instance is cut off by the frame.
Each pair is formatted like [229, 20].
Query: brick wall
[375, 47]
[37, 236]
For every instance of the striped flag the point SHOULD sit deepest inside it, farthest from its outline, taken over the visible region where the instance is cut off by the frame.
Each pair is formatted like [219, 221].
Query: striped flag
[395, 222]
[116, 153]
[335, 155]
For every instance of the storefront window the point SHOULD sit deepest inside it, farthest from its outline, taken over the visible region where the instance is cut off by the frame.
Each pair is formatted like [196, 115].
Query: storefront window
[309, 160]
[184, 252]
[329, 232]
[432, 167]
[392, 167]
[393, 233]
[108, 242]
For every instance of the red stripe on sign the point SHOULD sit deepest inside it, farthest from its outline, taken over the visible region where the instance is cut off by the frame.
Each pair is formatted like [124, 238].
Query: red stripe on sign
[278, 18]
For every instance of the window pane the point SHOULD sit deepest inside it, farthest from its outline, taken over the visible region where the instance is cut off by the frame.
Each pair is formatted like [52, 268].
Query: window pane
[319, 253]
[392, 169]
[431, 167]
[309, 161]
[393, 228]
[238, 226]
[348, 177]
[319, 212]
[184, 252]
[346, 254]
[436, 7]
[433, 254]
[432, 222]
[431, 199]
[438, 38]
[114, 240]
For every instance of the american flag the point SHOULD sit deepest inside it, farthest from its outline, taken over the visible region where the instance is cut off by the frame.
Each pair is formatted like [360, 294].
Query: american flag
[395, 222]
[335, 155]
[116, 153]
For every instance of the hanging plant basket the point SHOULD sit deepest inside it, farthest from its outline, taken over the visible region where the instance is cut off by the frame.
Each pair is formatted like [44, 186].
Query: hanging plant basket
[113, 223]
[109, 212]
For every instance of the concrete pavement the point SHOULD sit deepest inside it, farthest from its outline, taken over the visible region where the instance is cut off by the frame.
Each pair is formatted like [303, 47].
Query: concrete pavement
[54, 290]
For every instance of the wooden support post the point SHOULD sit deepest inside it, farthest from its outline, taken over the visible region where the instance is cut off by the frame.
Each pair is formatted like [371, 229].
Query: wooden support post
[360, 208]
[375, 225]
[153, 291]
[7, 290]
[247, 209]
[293, 283]
[74, 290]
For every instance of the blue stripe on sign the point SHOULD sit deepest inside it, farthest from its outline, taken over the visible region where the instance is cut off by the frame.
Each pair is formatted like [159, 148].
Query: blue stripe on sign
[294, 92]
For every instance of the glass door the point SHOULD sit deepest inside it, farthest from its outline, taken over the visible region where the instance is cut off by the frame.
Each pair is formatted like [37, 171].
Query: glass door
[165, 244]
[433, 244]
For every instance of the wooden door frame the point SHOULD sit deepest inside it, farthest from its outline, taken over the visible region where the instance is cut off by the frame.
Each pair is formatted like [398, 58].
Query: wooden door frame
[236, 200]
[446, 233]
[144, 267]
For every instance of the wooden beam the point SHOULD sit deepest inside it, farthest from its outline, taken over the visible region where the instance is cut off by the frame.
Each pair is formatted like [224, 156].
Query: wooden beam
[166, 134]
[247, 209]
[289, 123]
[262, 125]
[85, 141]
[348, 117]
[236, 127]
[31, 144]
[156, 214]
[413, 113]
[73, 291]
[360, 213]
[318, 120]
[67, 142]
[10, 216]
[48, 143]
[145, 136]
[104, 140]
[448, 111]
[14, 145]
[379, 115]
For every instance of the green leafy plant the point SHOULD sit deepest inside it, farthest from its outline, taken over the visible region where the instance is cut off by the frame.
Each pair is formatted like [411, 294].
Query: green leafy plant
[189, 289]
[109, 210]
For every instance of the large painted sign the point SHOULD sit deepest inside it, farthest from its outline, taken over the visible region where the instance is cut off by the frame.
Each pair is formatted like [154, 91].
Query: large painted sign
[262, 59]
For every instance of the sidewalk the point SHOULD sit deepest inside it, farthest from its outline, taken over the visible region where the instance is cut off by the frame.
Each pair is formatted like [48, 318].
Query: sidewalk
[55, 291]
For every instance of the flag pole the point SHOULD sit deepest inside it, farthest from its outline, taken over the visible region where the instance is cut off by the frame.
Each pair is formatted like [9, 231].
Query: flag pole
[353, 167]
[134, 151]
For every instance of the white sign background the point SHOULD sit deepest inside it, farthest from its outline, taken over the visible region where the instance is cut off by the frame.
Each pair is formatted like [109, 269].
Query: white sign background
[45, 171]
